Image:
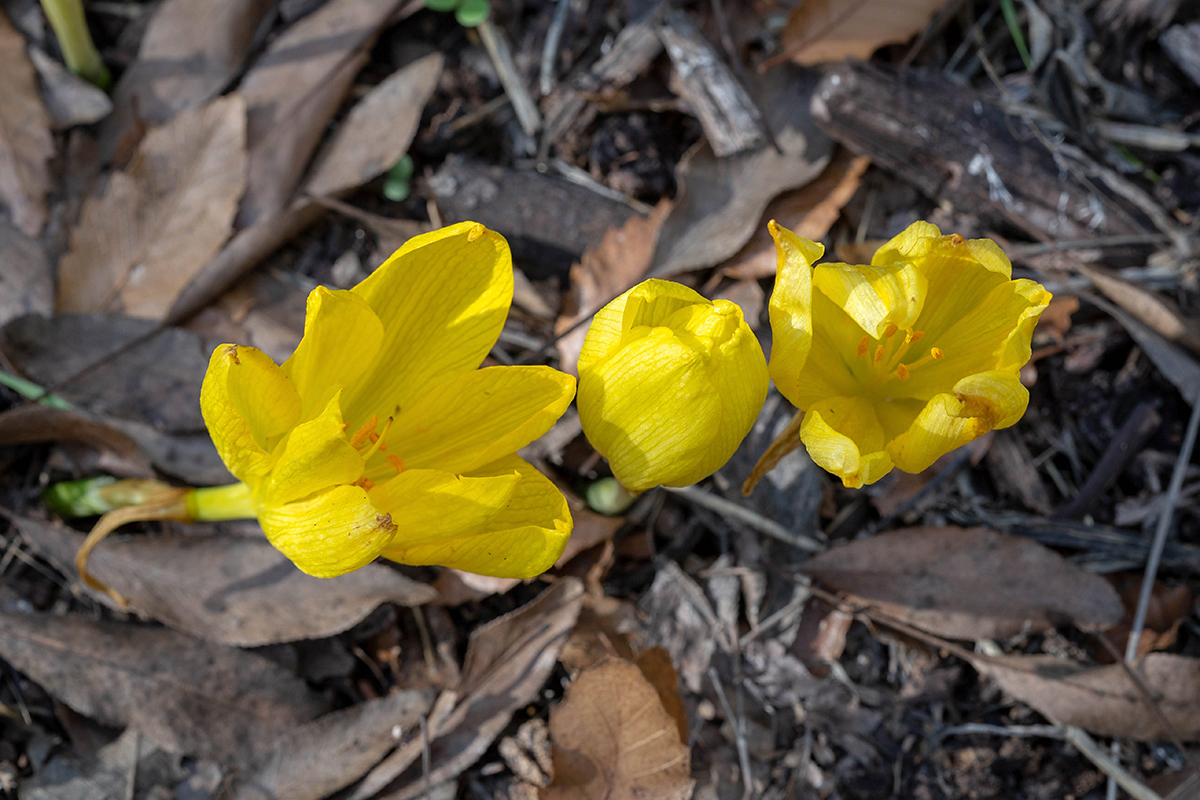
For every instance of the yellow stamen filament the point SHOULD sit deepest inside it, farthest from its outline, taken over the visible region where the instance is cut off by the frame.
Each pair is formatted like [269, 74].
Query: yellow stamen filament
[934, 353]
[377, 439]
[863, 345]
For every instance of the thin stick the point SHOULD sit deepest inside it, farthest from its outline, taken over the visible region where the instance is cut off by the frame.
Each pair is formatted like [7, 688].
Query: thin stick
[739, 732]
[550, 49]
[498, 48]
[747, 517]
[1092, 751]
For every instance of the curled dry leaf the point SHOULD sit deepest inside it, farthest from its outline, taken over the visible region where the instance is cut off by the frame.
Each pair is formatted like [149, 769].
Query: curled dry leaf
[26, 146]
[236, 590]
[293, 91]
[191, 50]
[322, 756]
[1104, 700]
[508, 660]
[161, 220]
[833, 30]
[26, 424]
[613, 739]
[809, 211]
[967, 583]
[187, 696]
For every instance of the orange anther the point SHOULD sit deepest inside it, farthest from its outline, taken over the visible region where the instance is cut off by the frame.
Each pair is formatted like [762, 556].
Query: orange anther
[366, 483]
[396, 461]
[917, 336]
[936, 352]
[362, 434]
[890, 331]
[862, 346]
[878, 354]
[902, 372]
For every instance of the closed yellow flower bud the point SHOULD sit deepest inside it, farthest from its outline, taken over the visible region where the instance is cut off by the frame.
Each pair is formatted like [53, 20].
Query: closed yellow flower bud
[669, 384]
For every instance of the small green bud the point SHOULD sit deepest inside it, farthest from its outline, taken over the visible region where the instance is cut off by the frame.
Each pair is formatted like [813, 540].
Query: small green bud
[397, 183]
[472, 12]
[608, 496]
[441, 5]
[79, 498]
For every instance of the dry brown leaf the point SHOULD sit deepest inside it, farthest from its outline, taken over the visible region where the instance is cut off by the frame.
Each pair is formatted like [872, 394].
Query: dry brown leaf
[187, 696]
[655, 664]
[25, 424]
[160, 220]
[191, 50]
[26, 283]
[832, 30]
[1056, 319]
[1159, 313]
[721, 200]
[70, 100]
[615, 265]
[1169, 606]
[1104, 700]
[507, 662]
[293, 91]
[377, 131]
[236, 590]
[809, 211]
[322, 756]
[967, 583]
[821, 635]
[602, 631]
[614, 741]
[26, 146]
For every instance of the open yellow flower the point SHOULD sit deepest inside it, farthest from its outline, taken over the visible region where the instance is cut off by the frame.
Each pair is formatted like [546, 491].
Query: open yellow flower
[901, 361]
[380, 436]
[669, 384]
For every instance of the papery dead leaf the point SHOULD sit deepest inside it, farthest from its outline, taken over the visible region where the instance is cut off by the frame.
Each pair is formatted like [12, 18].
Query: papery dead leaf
[1159, 313]
[967, 583]
[236, 590]
[322, 756]
[615, 265]
[162, 219]
[832, 30]
[507, 662]
[614, 741]
[377, 131]
[26, 282]
[1104, 700]
[188, 696]
[293, 90]
[809, 212]
[70, 100]
[655, 664]
[721, 200]
[1169, 606]
[26, 424]
[152, 376]
[26, 146]
[191, 50]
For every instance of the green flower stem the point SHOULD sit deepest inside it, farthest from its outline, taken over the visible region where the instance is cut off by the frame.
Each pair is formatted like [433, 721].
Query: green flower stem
[79, 51]
[214, 503]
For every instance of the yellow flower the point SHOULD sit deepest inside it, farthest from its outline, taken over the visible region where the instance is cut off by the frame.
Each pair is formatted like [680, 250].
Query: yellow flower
[900, 362]
[669, 384]
[380, 436]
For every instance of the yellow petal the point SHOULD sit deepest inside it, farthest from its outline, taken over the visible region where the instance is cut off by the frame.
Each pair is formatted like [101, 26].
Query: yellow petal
[341, 339]
[739, 373]
[315, 456]
[651, 409]
[843, 436]
[473, 419]
[648, 303]
[982, 402]
[791, 309]
[993, 335]
[523, 540]
[833, 368]
[442, 299]
[247, 402]
[874, 296]
[329, 534]
[432, 507]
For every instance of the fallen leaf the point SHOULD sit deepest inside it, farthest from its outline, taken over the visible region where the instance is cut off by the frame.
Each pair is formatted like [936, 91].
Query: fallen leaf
[235, 590]
[721, 200]
[1103, 700]
[821, 635]
[377, 131]
[833, 30]
[159, 221]
[683, 622]
[26, 146]
[26, 424]
[655, 664]
[809, 211]
[1056, 318]
[70, 100]
[618, 263]
[26, 282]
[331, 752]
[190, 51]
[187, 696]
[1169, 606]
[1175, 365]
[292, 92]
[603, 630]
[1159, 313]
[613, 739]
[104, 773]
[967, 583]
[145, 374]
[507, 662]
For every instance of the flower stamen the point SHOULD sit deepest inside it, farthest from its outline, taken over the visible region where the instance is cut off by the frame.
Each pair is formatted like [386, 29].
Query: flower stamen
[364, 433]
[377, 439]
[863, 346]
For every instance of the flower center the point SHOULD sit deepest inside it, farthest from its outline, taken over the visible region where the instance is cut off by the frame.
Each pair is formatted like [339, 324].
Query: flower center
[885, 362]
[368, 441]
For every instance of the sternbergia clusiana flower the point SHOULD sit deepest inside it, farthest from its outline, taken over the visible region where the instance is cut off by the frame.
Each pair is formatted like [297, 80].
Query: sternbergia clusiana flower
[900, 361]
[669, 384]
